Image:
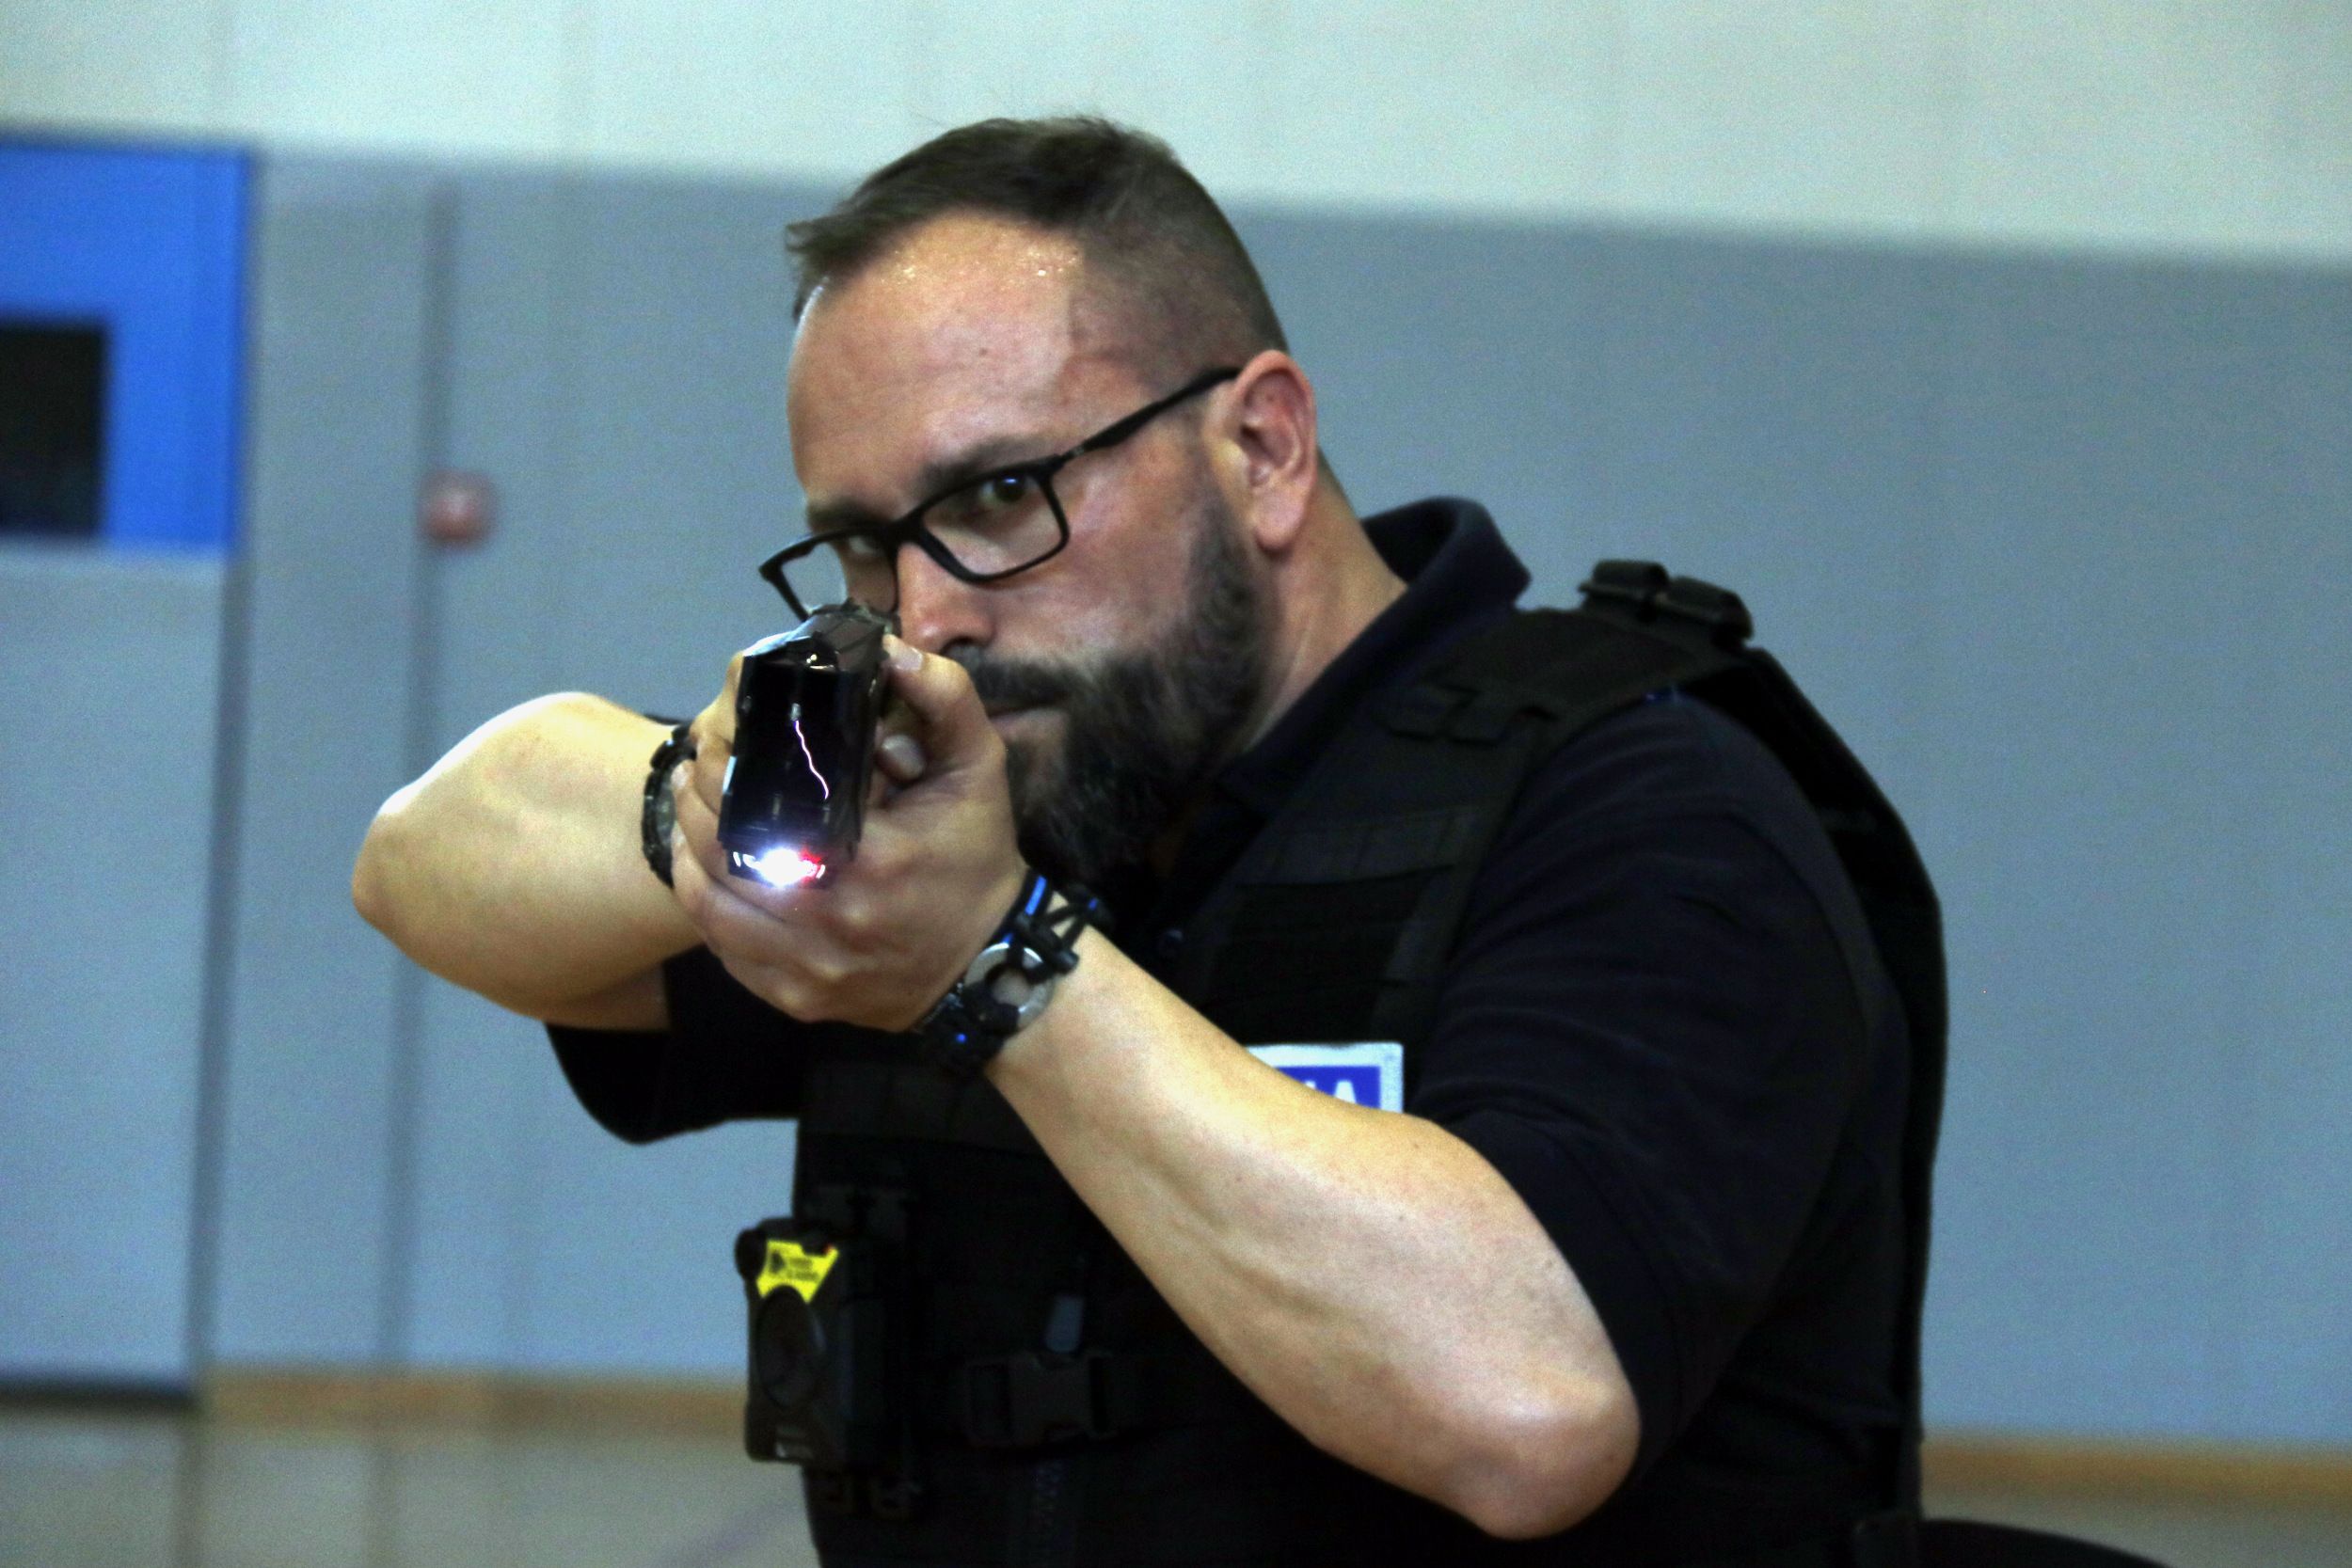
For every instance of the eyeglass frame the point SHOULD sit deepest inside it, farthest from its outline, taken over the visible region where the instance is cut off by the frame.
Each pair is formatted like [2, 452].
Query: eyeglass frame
[908, 528]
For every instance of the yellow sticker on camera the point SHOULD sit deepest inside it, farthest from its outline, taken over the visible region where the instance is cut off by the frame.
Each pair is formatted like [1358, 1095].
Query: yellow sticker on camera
[789, 1263]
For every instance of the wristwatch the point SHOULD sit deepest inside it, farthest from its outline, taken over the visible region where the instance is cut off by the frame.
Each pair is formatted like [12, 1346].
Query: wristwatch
[1009, 985]
[660, 814]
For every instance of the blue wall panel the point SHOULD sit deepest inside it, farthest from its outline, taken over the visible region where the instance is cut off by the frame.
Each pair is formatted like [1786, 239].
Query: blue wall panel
[1424, 387]
[151, 245]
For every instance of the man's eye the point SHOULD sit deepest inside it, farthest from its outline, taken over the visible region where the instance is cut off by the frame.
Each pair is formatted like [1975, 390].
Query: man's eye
[1002, 492]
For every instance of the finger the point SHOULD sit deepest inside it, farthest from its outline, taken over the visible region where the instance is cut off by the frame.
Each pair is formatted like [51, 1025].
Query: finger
[713, 735]
[900, 758]
[774, 941]
[748, 943]
[938, 691]
[693, 843]
[731, 911]
[702, 776]
[717, 721]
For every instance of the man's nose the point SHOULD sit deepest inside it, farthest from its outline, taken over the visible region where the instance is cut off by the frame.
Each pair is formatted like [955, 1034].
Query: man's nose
[937, 610]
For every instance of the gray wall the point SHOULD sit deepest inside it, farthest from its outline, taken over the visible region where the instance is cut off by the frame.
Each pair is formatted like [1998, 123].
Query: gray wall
[111, 671]
[2056, 542]
[405, 1177]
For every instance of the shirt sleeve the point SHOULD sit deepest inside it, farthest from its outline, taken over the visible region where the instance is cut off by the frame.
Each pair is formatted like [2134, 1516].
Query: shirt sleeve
[727, 1056]
[1649, 1028]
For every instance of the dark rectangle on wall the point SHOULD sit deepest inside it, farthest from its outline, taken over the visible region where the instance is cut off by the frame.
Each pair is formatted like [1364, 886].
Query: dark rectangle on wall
[53, 409]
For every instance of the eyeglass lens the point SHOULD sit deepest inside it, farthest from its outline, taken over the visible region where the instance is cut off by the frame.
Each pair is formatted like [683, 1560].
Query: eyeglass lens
[993, 525]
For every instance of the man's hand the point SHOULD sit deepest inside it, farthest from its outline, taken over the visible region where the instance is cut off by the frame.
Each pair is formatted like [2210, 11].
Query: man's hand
[888, 933]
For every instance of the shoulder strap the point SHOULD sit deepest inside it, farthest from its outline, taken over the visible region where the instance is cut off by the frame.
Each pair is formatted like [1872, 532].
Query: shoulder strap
[1638, 631]
[1522, 690]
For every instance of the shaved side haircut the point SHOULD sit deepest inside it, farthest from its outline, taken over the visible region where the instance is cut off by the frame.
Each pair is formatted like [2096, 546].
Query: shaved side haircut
[1147, 229]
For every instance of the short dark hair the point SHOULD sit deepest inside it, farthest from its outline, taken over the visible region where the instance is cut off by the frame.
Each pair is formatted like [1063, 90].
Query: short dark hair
[1142, 222]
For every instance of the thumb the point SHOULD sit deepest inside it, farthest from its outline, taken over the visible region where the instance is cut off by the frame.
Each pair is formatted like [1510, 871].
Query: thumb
[938, 691]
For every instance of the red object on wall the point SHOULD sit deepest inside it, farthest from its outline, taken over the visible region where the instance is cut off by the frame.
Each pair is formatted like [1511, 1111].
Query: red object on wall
[457, 508]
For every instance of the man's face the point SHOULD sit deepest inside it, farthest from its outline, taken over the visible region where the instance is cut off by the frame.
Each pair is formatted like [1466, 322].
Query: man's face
[971, 344]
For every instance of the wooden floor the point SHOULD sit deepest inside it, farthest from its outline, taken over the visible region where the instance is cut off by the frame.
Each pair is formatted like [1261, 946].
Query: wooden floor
[86, 1488]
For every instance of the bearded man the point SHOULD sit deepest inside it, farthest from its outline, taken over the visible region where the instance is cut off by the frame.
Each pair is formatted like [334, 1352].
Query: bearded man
[1310, 1218]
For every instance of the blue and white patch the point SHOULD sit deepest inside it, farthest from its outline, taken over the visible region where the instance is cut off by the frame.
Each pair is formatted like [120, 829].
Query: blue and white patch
[1369, 1073]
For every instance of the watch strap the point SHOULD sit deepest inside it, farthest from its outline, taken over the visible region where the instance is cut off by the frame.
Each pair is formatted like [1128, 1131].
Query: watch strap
[660, 812]
[1009, 984]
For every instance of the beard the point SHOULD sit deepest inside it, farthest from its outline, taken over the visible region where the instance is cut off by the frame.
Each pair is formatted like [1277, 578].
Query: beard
[1144, 729]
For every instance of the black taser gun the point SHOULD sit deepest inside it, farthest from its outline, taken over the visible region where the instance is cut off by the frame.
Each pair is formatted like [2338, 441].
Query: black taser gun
[806, 705]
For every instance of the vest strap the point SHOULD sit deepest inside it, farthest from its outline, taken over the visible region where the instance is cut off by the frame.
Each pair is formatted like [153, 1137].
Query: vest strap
[1033, 1398]
[884, 1099]
[1887, 1540]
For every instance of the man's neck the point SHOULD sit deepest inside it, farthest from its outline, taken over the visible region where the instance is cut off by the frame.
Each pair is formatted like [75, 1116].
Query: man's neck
[1326, 593]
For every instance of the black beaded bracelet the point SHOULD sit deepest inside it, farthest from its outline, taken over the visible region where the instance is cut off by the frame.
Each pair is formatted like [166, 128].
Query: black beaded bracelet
[1008, 986]
[660, 814]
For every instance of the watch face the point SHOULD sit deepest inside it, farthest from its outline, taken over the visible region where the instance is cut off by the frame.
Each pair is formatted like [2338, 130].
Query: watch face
[1021, 983]
[664, 813]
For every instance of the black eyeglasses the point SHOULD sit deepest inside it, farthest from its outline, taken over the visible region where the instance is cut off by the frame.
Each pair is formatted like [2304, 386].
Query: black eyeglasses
[981, 529]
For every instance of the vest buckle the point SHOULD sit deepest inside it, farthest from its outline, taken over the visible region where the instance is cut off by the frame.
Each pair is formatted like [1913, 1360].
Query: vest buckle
[1648, 591]
[1031, 1398]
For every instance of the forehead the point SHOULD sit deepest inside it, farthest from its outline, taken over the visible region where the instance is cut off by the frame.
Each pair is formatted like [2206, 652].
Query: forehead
[969, 329]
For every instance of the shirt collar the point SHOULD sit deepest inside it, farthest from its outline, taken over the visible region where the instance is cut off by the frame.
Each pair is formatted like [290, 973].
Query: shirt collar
[1459, 575]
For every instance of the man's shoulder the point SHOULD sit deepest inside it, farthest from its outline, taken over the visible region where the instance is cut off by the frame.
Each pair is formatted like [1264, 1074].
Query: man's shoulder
[1656, 781]
[1670, 752]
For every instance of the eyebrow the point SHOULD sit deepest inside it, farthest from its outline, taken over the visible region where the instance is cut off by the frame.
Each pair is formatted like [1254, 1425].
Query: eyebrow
[986, 457]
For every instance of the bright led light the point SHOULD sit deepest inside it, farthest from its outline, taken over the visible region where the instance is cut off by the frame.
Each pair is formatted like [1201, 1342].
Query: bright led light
[782, 866]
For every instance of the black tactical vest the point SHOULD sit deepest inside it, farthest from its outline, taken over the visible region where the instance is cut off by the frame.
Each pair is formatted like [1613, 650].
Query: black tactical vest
[1053, 1409]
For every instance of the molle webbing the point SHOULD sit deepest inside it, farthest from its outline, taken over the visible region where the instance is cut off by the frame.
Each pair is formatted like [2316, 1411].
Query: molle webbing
[1339, 921]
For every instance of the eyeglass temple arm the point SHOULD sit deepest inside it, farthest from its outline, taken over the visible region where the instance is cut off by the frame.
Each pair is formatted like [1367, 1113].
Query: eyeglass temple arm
[1150, 411]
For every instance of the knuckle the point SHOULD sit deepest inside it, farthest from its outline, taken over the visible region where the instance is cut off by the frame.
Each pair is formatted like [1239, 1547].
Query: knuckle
[885, 859]
[855, 924]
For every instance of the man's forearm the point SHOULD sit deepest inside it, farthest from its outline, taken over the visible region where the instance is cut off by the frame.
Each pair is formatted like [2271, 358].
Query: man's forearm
[1367, 1274]
[514, 867]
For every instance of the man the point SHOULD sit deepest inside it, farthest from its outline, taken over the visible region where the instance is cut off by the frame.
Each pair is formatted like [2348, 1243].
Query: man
[1627, 1265]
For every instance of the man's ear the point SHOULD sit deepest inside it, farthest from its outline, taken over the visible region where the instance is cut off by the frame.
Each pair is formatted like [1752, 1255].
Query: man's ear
[1271, 421]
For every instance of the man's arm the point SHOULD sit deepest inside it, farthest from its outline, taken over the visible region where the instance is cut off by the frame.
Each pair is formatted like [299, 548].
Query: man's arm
[1367, 1274]
[514, 867]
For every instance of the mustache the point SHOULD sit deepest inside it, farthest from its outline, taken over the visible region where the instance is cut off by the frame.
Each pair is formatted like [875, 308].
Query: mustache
[1008, 683]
